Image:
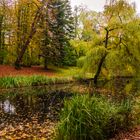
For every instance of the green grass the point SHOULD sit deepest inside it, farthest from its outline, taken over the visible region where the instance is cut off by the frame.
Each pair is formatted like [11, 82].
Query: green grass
[93, 118]
[26, 81]
[68, 71]
[74, 72]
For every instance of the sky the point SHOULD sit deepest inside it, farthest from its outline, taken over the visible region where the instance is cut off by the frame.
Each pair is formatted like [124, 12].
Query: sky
[97, 5]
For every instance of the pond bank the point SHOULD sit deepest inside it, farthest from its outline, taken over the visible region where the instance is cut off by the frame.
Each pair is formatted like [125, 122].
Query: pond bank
[29, 81]
[32, 112]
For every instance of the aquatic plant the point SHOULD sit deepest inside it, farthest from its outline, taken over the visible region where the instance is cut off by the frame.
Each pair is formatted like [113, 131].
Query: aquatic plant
[93, 118]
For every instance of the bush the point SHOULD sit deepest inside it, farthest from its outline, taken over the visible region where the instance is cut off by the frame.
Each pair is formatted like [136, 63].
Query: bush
[70, 56]
[92, 118]
[80, 61]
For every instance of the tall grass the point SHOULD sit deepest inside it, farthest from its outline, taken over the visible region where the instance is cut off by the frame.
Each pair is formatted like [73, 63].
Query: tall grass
[93, 118]
[24, 81]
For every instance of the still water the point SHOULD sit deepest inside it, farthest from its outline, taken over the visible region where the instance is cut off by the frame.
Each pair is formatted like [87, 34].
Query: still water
[30, 113]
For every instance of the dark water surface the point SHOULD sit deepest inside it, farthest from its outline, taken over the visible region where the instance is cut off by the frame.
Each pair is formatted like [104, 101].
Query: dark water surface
[120, 86]
[30, 113]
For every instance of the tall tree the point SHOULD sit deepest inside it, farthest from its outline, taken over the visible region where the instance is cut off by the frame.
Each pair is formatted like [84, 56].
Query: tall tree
[108, 43]
[58, 30]
[24, 13]
[63, 28]
[47, 50]
[3, 6]
[117, 15]
[33, 29]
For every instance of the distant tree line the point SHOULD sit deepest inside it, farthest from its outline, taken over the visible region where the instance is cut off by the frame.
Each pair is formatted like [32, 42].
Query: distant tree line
[108, 42]
[48, 32]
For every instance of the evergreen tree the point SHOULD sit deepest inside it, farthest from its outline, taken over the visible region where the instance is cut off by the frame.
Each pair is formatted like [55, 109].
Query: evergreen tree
[58, 29]
[62, 29]
[49, 51]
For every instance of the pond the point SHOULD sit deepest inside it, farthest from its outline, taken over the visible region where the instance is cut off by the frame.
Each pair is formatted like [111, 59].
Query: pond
[121, 86]
[30, 113]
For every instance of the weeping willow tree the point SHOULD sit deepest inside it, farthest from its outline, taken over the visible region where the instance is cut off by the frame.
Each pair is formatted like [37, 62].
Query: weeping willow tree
[115, 48]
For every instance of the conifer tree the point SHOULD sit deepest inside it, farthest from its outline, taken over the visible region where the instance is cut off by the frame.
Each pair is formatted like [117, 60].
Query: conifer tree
[58, 30]
[62, 28]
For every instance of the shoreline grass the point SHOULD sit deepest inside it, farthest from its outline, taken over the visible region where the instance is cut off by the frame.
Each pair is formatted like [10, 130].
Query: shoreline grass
[93, 118]
[35, 80]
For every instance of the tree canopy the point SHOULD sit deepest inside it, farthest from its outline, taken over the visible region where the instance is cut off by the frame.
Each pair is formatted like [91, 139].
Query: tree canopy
[49, 32]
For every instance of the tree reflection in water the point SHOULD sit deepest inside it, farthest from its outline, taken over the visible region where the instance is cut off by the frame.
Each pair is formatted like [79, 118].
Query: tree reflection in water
[7, 107]
[30, 113]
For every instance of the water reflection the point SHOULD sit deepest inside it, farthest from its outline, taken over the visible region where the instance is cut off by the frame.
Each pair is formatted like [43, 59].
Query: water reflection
[31, 112]
[27, 105]
[120, 86]
[34, 111]
[7, 107]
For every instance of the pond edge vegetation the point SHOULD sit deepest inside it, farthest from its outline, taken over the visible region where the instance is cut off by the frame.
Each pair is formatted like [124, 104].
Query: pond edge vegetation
[28, 81]
[96, 117]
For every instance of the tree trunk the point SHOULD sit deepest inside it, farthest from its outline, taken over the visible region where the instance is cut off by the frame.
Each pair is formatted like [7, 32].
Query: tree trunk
[99, 69]
[102, 59]
[45, 63]
[1, 40]
[35, 22]
[23, 49]
[0, 44]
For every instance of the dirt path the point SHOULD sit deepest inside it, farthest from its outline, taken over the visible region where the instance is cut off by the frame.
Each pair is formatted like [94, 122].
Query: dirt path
[34, 70]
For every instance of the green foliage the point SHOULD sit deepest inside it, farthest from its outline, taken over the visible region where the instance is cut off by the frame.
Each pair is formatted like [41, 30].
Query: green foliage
[68, 72]
[27, 81]
[58, 30]
[80, 61]
[115, 35]
[118, 62]
[81, 47]
[3, 54]
[92, 58]
[93, 118]
[70, 56]
[136, 110]
[47, 36]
